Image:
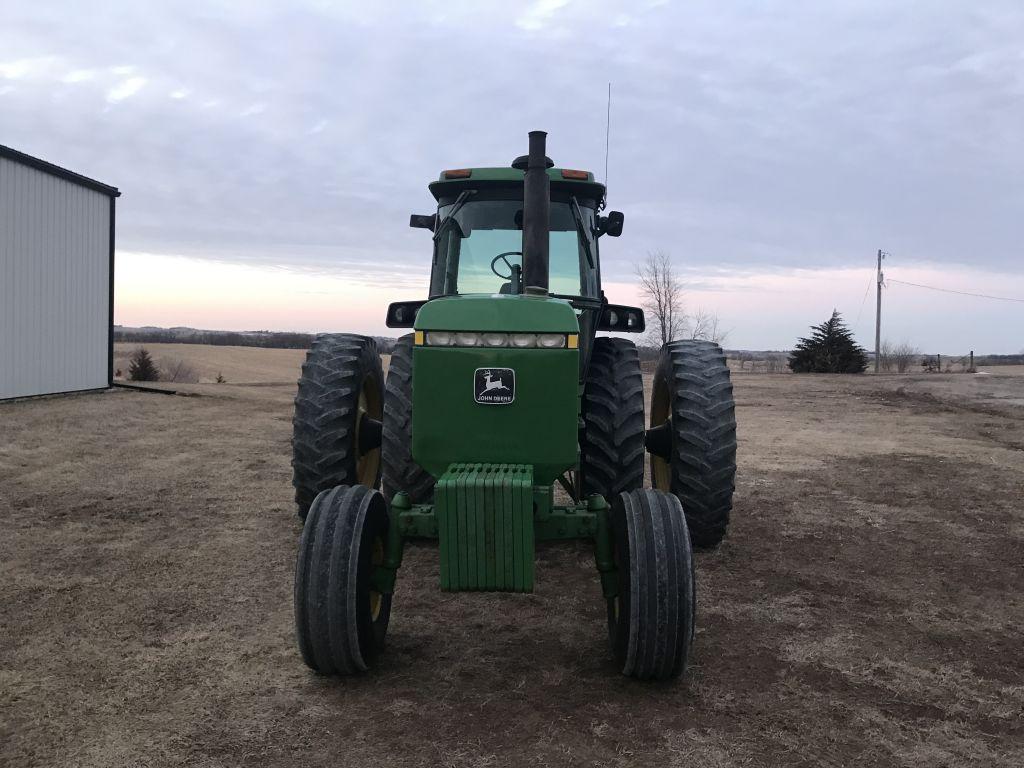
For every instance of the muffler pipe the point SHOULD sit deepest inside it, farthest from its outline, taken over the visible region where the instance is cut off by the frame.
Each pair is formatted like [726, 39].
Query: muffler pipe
[536, 216]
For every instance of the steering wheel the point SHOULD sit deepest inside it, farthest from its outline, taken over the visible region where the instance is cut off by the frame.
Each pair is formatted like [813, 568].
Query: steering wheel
[504, 257]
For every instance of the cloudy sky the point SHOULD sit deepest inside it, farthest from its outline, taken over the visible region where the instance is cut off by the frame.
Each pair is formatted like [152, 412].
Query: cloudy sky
[269, 154]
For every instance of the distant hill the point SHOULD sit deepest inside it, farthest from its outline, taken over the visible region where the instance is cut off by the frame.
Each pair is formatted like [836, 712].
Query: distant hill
[149, 334]
[771, 360]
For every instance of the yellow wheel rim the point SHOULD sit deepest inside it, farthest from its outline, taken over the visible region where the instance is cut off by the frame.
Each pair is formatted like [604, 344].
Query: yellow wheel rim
[376, 598]
[369, 404]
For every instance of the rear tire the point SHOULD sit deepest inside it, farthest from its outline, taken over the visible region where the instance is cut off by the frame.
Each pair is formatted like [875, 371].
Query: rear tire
[341, 380]
[612, 444]
[651, 622]
[401, 473]
[340, 621]
[692, 388]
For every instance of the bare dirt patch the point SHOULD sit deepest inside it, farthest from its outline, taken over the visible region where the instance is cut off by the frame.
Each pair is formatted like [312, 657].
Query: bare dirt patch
[865, 608]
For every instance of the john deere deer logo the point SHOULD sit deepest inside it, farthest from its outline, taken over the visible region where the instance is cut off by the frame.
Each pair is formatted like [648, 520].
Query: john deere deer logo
[494, 386]
[489, 384]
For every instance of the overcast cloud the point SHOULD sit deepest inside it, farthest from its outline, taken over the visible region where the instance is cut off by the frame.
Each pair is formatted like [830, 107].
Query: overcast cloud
[747, 135]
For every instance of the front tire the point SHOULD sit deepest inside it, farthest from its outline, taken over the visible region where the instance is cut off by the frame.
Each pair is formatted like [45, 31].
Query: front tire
[341, 393]
[651, 622]
[340, 620]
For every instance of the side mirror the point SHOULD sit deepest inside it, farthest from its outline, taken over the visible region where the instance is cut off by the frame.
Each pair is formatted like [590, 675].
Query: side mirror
[611, 224]
[402, 314]
[615, 317]
[419, 221]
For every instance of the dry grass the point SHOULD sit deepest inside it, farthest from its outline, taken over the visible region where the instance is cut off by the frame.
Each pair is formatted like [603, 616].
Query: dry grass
[239, 365]
[864, 610]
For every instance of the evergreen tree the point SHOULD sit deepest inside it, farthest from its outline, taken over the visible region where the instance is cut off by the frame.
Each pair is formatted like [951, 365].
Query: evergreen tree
[829, 349]
[141, 367]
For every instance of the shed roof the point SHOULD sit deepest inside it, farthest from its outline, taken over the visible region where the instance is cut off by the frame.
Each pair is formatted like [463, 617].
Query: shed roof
[55, 170]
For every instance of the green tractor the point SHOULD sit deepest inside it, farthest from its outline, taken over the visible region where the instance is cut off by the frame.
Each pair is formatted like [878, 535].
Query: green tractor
[502, 390]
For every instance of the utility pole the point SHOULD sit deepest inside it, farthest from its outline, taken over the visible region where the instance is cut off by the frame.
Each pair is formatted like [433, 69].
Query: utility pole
[878, 311]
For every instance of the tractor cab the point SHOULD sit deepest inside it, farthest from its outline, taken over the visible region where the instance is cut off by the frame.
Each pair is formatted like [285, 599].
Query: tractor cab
[478, 232]
[479, 236]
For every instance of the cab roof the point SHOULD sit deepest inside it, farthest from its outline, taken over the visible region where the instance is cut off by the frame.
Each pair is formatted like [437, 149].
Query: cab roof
[451, 182]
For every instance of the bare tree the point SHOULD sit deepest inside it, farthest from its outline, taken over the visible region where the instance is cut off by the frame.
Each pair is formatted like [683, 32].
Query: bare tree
[662, 295]
[706, 326]
[899, 357]
[885, 356]
[178, 370]
[904, 354]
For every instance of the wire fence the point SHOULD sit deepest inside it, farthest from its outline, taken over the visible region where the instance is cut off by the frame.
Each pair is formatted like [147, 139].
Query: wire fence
[754, 362]
[893, 361]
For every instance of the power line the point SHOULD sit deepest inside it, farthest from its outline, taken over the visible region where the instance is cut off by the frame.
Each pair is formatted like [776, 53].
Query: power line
[871, 281]
[950, 290]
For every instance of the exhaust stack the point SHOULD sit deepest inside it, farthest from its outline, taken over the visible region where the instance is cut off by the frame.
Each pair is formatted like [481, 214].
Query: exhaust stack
[536, 216]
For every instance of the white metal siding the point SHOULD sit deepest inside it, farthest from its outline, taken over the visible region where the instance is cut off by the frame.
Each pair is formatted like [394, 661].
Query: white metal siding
[54, 283]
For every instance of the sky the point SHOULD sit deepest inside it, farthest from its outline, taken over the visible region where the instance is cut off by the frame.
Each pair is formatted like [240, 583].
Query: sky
[269, 154]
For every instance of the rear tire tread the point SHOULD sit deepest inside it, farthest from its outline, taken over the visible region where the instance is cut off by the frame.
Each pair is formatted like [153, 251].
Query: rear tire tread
[612, 444]
[326, 408]
[703, 467]
[400, 472]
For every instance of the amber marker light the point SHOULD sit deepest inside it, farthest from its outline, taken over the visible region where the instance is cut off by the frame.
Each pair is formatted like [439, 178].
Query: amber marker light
[458, 173]
[579, 175]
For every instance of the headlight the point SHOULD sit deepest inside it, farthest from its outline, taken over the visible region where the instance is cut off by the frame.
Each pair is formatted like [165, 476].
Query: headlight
[495, 339]
[439, 338]
[551, 340]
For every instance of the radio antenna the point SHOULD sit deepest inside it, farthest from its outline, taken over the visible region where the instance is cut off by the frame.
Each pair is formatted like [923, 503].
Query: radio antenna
[607, 135]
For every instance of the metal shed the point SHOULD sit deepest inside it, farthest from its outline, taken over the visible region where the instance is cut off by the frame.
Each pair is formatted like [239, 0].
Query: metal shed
[56, 278]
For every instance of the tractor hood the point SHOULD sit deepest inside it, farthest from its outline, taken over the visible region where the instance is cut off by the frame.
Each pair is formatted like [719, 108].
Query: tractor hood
[498, 312]
[495, 382]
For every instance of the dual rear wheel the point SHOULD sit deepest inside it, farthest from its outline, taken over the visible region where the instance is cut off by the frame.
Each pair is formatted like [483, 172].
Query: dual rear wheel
[351, 426]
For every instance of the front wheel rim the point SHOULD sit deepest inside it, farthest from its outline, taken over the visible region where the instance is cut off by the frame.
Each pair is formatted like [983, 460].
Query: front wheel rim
[376, 598]
[661, 472]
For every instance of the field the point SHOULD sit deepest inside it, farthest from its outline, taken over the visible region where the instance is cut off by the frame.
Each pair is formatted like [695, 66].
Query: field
[247, 365]
[865, 609]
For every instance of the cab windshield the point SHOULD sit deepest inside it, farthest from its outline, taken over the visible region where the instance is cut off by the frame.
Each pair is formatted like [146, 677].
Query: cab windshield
[482, 229]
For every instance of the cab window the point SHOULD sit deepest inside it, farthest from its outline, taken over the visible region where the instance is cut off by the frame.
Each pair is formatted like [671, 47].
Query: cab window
[482, 230]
